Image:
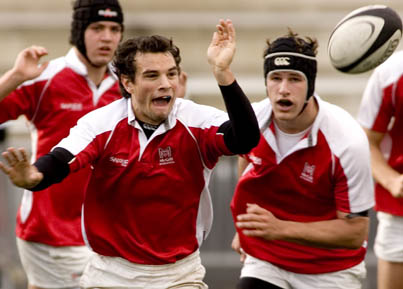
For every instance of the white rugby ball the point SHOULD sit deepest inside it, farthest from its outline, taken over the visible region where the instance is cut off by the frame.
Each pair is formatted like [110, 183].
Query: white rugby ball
[365, 38]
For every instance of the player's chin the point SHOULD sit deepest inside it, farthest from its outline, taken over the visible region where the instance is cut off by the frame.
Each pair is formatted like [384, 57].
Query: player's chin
[101, 60]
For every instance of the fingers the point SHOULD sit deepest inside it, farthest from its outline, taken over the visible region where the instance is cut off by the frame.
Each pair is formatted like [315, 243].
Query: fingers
[10, 156]
[236, 246]
[215, 39]
[43, 66]
[254, 233]
[13, 156]
[36, 51]
[226, 30]
[250, 225]
[230, 30]
[253, 212]
[5, 169]
[242, 257]
[24, 155]
[254, 208]
[254, 222]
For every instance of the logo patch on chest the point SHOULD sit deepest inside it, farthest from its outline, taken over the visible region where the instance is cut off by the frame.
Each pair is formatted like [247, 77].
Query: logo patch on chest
[119, 161]
[307, 172]
[165, 155]
[76, 106]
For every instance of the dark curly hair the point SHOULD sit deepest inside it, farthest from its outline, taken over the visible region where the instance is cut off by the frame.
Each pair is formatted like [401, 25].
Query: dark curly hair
[124, 62]
[305, 45]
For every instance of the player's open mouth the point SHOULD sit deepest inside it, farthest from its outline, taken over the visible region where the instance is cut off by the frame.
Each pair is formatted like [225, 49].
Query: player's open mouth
[284, 102]
[162, 100]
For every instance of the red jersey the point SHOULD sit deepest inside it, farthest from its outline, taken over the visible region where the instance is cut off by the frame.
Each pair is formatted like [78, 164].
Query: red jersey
[148, 199]
[53, 103]
[327, 171]
[381, 110]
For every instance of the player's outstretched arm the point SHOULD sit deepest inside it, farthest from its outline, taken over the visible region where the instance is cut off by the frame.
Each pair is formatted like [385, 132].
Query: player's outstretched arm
[26, 67]
[19, 170]
[221, 52]
[241, 132]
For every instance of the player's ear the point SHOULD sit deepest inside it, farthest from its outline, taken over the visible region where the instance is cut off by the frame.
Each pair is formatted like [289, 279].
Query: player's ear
[127, 83]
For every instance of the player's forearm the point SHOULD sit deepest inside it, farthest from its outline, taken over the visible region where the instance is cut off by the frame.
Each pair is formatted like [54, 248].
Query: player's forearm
[338, 233]
[223, 76]
[9, 82]
[383, 173]
[54, 166]
[242, 132]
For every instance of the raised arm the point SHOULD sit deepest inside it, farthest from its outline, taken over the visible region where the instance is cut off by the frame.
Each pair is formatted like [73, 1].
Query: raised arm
[241, 132]
[26, 67]
[221, 52]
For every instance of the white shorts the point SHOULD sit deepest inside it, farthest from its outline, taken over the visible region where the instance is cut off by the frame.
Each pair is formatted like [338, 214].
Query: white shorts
[389, 238]
[351, 278]
[53, 267]
[115, 272]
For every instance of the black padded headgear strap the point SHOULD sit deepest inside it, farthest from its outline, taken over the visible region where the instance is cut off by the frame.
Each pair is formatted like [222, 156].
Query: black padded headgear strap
[284, 54]
[89, 11]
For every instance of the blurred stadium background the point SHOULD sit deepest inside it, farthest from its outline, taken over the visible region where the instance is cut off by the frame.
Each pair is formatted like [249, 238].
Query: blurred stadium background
[190, 24]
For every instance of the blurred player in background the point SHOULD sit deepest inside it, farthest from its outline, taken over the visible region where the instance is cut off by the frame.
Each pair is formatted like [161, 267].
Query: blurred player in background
[53, 96]
[301, 205]
[147, 207]
[381, 115]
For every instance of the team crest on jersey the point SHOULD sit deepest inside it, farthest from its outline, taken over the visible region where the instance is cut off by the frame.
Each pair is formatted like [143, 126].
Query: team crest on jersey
[165, 155]
[307, 172]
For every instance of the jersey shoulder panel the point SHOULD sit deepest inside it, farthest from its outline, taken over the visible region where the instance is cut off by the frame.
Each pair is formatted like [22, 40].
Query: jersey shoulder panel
[378, 98]
[94, 123]
[340, 128]
[349, 146]
[198, 115]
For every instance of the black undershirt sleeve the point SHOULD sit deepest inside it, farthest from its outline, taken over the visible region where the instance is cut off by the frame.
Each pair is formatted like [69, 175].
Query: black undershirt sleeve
[359, 214]
[241, 132]
[54, 166]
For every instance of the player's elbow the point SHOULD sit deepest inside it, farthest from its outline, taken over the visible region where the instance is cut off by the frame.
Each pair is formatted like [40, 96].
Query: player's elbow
[359, 235]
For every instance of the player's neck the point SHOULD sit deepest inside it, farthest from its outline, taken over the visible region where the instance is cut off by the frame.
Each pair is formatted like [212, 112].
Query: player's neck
[95, 73]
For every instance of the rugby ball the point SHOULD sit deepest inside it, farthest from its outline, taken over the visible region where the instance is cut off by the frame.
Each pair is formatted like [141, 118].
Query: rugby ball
[364, 38]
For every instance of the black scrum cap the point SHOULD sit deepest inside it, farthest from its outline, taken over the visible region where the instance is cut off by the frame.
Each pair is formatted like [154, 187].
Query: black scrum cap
[288, 55]
[88, 11]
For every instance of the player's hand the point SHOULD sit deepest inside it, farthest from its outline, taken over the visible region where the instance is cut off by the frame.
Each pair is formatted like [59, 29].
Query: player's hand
[396, 187]
[19, 170]
[259, 222]
[222, 49]
[27, 65]
[236, 246]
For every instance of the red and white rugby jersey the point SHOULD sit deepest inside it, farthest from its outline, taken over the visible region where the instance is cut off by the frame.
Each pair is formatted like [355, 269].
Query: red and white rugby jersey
[381, 110]
[53, 103]
[328, 170]
[147, 200]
